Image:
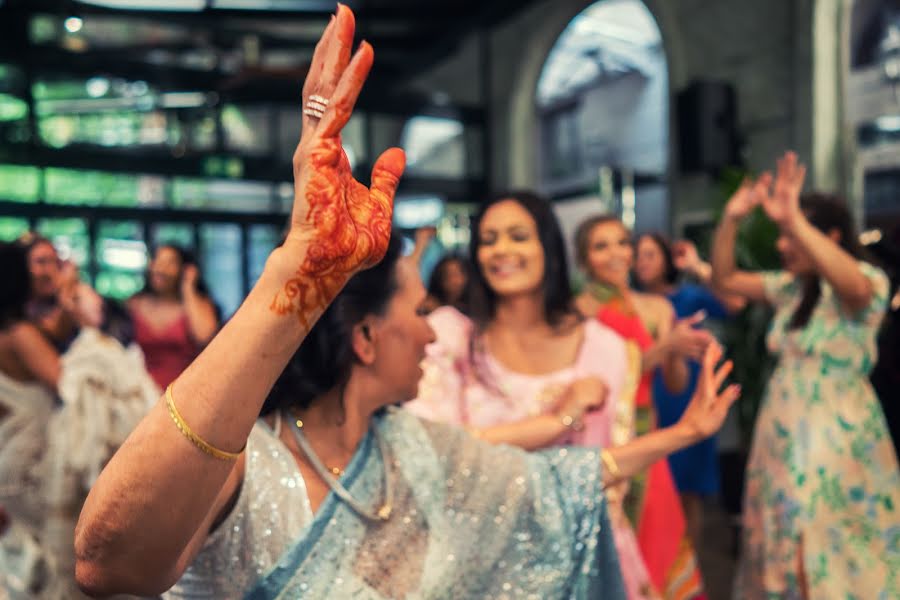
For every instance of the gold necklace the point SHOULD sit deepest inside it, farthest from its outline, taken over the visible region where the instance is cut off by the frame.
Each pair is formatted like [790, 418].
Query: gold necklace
[383, 513]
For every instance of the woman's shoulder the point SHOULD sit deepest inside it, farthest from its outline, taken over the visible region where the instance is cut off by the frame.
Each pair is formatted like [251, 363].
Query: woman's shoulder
[137, 302]
[596, 334]
[23, 332]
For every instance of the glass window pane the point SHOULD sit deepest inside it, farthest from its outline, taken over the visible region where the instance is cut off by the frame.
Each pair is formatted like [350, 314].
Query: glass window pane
[92, 188]
[222, 194]
[263, 239]
[11, 228]
[412, 212]
[221, 256]
[607, 39]
[203, 132]
[180, 234]
[118, 284]
[13, 117]
[247, 129]
[19, 184]
[434, 146]
[121, 258]
[69, 236]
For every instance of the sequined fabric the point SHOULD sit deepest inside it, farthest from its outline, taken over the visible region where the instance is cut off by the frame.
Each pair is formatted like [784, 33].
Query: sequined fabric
[271, 510]
[470, 520]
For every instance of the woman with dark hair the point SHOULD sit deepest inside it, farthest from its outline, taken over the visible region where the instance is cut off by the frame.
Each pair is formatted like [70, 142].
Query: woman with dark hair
[527, 370]
[823, 485]
[60, 417]
[338, 494]
[174, 317]
[647, 322]
[657, 270]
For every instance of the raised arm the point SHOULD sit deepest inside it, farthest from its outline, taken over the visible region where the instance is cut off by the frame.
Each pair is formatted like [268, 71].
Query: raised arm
[423, 237]
[837, 266]
[201, 315]
[153, 501]
[726, 277]
[666, 352]
[703, 416]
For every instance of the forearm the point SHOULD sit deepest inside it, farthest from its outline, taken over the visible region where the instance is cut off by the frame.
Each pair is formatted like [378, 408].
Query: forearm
[201, 318]
[833, 263]
[674, 373]
[529, 434]
[158, 488]
[643, 451]
[722, 259]
[673, 367]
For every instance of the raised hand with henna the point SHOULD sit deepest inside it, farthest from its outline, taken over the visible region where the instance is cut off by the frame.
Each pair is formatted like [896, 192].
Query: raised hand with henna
[338, 225]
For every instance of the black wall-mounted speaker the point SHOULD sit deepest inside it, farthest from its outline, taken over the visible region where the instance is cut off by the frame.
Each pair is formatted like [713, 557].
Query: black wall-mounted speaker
[708, 139]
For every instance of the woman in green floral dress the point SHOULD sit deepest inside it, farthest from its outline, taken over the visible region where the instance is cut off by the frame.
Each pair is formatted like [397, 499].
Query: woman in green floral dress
[822, 500]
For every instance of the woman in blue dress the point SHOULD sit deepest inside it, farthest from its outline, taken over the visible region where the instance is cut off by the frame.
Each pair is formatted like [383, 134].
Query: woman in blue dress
[658, 268]
[335, 493]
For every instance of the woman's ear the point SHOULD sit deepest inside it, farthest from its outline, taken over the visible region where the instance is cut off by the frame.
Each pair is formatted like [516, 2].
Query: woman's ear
[363, 341]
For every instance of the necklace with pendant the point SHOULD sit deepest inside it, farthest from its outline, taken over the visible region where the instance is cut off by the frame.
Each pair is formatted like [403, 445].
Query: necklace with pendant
[327, 475]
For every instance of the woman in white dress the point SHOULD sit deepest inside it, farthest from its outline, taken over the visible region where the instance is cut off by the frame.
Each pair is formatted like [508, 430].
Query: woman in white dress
[61, 417]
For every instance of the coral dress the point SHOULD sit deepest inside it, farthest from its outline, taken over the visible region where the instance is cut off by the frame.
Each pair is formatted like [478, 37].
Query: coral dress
[653, 503]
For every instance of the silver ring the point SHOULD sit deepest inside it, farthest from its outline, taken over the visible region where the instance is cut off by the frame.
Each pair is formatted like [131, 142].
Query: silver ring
[315, 106]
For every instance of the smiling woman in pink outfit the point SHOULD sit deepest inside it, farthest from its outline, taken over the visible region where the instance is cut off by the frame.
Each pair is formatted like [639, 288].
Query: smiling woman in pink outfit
[527, 370]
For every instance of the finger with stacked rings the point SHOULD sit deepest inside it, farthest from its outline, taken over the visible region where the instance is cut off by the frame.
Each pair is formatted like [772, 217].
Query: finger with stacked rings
[315, 106]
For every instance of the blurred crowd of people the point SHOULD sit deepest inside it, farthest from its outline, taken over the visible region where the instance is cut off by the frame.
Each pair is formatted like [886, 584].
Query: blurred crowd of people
[514, 345]
[570, 433]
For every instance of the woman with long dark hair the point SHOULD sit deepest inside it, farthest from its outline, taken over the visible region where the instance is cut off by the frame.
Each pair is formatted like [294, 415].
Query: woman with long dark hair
[658, 269]
[174, 317]
[527, 369]
[338, 494]
[823, 486]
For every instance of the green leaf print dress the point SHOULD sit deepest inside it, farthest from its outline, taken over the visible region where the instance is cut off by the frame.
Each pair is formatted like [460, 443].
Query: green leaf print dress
[823, 486]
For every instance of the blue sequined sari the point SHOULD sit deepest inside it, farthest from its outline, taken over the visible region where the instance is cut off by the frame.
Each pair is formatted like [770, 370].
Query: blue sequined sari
[469, 520]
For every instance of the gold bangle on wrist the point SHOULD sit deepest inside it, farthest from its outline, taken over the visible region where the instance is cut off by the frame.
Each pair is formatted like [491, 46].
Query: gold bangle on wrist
[609, 464]
[195, 439]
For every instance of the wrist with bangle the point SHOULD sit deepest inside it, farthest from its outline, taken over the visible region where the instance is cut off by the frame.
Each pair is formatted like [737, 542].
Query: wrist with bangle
[195, 439]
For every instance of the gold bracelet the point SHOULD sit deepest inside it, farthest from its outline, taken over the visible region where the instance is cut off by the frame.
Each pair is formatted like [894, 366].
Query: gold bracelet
[195, 439]
[609, 464]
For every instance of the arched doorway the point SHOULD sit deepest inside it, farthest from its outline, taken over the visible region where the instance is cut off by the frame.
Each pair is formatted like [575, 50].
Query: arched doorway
[603, 119]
